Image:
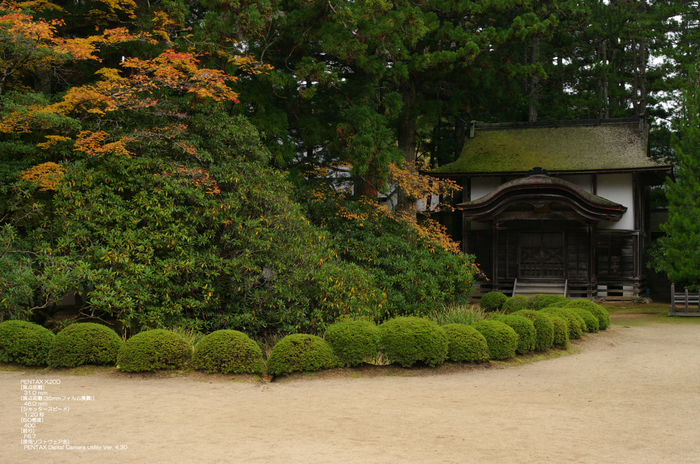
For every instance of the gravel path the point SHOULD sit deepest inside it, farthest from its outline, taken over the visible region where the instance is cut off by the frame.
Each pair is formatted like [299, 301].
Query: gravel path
[630, 395]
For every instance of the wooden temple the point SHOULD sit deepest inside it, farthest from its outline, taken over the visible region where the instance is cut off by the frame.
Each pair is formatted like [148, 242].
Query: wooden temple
[558, 207]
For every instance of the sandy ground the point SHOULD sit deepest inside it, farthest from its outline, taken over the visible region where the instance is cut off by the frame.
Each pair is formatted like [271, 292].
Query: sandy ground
[630, 395]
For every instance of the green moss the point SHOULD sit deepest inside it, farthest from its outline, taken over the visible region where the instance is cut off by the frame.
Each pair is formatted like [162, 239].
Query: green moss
[465, 344]
[153, 350]
[85, 343]
[574, 148]
[229, 352]
[301, 353]
[408, 340]
[501, 339]
[25, 343]
[353, 341]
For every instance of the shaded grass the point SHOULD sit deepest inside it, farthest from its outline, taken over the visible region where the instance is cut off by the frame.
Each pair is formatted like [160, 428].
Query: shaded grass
[631, 314]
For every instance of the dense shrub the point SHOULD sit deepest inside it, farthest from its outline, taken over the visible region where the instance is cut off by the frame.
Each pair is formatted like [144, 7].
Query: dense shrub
[592, 325]
[492, 301]
[301, 353]
[514, 304]
[408, 340]
[230, 352]
[575, 324]
[598, 311]
[85, 343]
[501, 339]
[561, 331]
[408, 260]
[543, 325]
[525, 329]
[25, 343]
[153, 350]
[541, 301]
[213, 240]
[353, 342]
[465, 344]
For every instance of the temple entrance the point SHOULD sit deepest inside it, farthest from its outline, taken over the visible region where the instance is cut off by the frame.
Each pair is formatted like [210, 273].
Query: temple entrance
[542, 255]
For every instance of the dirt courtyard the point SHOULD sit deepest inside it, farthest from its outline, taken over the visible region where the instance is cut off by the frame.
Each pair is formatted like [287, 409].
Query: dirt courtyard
[630, 395]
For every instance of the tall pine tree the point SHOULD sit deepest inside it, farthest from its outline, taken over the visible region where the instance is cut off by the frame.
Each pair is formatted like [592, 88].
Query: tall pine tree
[678, 253]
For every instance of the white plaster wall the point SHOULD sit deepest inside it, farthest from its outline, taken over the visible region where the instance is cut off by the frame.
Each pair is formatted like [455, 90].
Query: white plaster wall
[618, 188]
[482, 186]
[585, 181]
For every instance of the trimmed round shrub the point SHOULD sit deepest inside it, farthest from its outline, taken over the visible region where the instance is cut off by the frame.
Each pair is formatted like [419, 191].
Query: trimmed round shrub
[575, 324]
[515, 303]
[408, 340]
[301, 353]
[501, 339]
[465, 344]
[492, 301]
[229, 352]
[153, 350]
[598, 311]
[543, 325]
[353, 342]
[85, 343]
[25, 343]
[561, 331]
[592, 325]
[541, 301]
[525, 329]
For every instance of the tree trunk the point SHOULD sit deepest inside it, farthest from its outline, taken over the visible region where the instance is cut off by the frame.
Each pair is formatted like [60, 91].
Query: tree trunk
[534, 82]
[407, 140]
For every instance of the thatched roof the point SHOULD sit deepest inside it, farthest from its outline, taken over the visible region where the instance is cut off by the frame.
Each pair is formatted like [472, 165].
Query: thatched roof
[568, 146]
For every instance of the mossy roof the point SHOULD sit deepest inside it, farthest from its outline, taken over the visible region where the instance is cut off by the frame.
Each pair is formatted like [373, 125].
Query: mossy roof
[572, 146]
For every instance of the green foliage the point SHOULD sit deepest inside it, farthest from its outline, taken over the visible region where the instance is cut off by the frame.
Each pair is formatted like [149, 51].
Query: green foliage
[85, 343]
[537, 302]
[408, 340]
[230, 352]
[561, 331]
[353, 341]
[502, 340]
[153, 350]
[543, 325]
[492, 301]
[457, 314]
[678, 253]
[25, 343]
[417, 275]
[524, 327]
[575, 324]
[597, 310]
[301, 353]
[591, 324]
[465, 344]
[515, 303]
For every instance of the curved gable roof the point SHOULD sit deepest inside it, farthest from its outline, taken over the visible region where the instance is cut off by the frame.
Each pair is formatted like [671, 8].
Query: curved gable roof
[542, 189]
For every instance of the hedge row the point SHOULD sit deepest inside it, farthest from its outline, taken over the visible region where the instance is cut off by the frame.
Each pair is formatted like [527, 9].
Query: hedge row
[403, 340]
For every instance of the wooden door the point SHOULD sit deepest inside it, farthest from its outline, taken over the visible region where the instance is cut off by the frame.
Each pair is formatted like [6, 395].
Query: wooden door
[541, 255]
